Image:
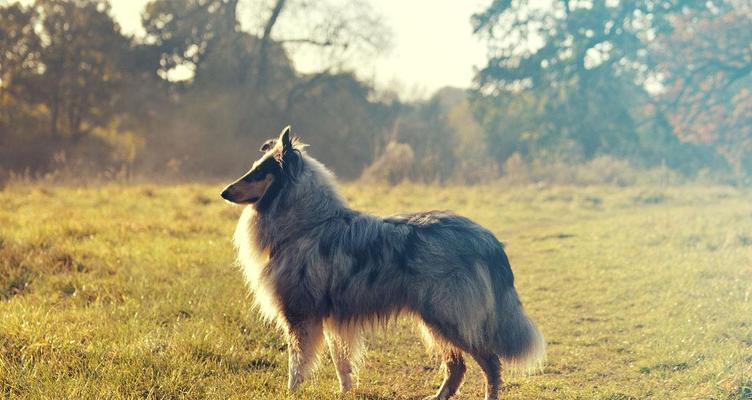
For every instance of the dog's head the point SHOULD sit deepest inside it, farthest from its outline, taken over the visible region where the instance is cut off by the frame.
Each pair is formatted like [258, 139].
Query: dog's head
[268, 175]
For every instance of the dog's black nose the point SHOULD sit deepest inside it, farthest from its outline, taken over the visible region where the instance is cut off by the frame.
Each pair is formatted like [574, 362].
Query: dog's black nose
[225, 194]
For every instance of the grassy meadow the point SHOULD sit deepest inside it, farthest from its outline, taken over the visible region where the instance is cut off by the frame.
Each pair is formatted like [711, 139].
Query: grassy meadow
[130, 291]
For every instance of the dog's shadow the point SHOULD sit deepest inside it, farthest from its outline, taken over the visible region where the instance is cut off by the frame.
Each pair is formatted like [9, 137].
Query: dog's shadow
[372, 396]
[258, 364]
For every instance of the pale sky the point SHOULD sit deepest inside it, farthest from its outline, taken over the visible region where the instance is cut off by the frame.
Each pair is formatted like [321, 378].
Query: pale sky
[432, 44]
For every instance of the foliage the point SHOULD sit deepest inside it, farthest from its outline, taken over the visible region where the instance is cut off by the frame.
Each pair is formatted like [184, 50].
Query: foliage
[395, 165]
[575, 79]
[447, 142]
[244, 87]
[65, 75]
[71, 87]
[707, 66]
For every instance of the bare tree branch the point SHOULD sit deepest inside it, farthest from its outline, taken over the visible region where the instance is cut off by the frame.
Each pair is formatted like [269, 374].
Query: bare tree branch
[263, 66]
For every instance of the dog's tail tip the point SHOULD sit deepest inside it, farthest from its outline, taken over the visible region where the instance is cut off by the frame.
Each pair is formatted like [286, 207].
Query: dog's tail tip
[523, 348]
[532, 359]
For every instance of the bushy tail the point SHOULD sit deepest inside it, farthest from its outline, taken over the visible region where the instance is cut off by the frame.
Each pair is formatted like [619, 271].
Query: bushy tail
[518, 342]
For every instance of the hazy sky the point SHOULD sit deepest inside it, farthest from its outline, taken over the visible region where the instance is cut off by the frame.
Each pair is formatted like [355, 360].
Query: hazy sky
[433, 45]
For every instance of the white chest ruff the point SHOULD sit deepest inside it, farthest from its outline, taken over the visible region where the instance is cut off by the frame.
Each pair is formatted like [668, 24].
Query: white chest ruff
[253, 260]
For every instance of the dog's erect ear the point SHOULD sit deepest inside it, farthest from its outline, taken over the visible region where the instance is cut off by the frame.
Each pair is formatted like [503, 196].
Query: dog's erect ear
[284, 139]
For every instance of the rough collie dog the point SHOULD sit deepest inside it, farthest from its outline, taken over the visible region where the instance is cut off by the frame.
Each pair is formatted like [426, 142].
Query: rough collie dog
[322, 271]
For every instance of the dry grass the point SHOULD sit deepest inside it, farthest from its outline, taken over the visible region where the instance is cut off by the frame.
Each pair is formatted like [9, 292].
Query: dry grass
[131, 292]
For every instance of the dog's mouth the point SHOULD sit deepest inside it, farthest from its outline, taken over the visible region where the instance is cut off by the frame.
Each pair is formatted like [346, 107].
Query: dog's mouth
[229, 198]
[249, 201]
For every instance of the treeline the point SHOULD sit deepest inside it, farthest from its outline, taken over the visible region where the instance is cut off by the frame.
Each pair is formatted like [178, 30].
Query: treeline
[76, 91]
[643, 83]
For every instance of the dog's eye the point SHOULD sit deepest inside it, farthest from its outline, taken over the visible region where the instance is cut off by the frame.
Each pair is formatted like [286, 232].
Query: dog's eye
[267, 146]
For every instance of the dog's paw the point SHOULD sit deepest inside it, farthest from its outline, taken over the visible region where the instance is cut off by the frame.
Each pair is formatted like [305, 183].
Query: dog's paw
[345, 385]
[293, 382]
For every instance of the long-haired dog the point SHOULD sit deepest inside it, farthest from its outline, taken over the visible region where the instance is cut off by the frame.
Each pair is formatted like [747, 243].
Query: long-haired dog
[322, 271]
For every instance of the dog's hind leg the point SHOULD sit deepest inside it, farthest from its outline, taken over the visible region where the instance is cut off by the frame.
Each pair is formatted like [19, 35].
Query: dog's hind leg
[454, 368]
[303, 340]
[344, 347]
[452, 363]
[491, 367]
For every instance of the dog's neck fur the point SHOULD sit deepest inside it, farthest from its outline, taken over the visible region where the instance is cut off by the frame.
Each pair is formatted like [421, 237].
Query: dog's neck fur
[303, 203]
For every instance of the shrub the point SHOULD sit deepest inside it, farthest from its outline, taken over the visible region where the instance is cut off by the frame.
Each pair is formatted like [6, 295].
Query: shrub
[396, 164]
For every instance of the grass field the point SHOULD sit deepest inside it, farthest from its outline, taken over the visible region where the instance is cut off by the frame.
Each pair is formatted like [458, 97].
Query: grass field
[131, 292]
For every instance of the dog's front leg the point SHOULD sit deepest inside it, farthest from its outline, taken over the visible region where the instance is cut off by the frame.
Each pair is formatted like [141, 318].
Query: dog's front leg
[303, 340]
[343, 348]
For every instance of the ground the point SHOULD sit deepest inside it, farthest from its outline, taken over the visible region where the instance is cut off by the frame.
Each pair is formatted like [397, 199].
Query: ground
[130, 291]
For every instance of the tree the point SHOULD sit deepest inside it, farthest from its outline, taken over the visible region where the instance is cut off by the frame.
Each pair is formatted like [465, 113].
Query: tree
[706, 65]
[64, 69]
[186, 31]
[244, 84]
[189, 31]
[577, 68]
[81, 59]
[20, 48]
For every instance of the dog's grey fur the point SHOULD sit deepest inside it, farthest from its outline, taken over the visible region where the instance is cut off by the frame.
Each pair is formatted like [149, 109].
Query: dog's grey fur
[320, 269]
